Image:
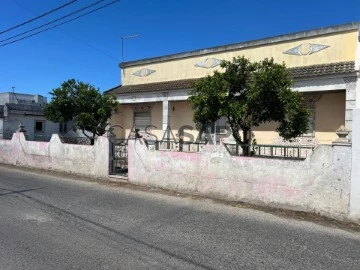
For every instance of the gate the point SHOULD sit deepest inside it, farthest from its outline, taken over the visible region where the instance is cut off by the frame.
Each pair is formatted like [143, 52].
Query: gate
[119, 157]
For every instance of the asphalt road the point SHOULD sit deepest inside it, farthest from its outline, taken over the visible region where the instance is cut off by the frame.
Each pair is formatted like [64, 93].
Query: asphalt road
[51, 222]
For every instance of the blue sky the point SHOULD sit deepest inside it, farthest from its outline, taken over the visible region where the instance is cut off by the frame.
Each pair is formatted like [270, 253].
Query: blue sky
[89, 49]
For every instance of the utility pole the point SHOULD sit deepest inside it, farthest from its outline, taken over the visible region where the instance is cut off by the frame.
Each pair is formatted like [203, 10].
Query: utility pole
[122, 44]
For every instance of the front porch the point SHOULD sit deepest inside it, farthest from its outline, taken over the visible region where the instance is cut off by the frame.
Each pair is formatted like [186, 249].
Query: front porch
[166, 116]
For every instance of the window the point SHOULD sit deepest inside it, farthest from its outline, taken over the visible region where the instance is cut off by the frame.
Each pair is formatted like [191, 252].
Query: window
[142, 120]
[62, 128]
[311, 101]
[220, 126]
[311, 126]
[39, 126]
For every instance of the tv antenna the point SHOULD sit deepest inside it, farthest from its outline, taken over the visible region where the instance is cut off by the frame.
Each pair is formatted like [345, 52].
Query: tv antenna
[122, 44]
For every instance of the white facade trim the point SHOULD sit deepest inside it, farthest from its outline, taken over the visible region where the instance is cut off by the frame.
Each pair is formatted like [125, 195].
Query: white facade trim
[165, 111]
[304, 85]
[357, 92]
[174, 95]
[320, 84]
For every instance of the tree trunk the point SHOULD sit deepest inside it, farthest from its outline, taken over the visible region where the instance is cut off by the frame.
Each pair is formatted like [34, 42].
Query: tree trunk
[236, 135]
[92, 139]
[246, 144]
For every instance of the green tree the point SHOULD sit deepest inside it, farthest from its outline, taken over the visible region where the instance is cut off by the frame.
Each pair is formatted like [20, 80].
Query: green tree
[84, 104]
[249, 94]
[61, 109]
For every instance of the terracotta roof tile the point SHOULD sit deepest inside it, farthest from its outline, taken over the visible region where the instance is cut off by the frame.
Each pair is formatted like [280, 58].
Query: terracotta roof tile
[298, 72]
[321, 70]
[153, 87]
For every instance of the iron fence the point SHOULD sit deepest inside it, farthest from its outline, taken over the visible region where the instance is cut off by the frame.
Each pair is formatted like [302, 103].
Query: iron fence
[39, 137]
[75, 140]
[260, 150]
[172, 145]
[269, 150]
[119, 157]
[7, 135]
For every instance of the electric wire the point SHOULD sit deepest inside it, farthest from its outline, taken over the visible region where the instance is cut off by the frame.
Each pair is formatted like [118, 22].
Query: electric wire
[85, 43]
[82, 15]
[56, 20]
[38, 17]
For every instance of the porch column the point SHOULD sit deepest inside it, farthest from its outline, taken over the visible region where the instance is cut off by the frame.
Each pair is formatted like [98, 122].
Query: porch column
[165, 114]
[350, 102]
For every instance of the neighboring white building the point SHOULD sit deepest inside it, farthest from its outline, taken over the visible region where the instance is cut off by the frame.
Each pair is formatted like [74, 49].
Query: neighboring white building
[29, 110]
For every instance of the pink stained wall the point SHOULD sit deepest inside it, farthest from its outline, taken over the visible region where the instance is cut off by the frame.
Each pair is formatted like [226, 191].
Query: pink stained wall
[319, 184]
[86, 160]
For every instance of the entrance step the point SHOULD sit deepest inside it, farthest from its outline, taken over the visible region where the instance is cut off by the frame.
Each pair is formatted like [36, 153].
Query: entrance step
[118, 178]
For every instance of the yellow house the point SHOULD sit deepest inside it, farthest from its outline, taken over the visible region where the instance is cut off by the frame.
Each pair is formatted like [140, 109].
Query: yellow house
[324, 63]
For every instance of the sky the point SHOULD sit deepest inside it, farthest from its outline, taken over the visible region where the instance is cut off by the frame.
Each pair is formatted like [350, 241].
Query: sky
[89, 49]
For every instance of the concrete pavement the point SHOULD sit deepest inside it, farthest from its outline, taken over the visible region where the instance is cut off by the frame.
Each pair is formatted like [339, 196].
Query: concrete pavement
[52, 222]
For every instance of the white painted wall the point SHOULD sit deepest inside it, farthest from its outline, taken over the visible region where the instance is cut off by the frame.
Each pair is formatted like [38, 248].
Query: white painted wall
[319, 184]
[355, 172]
[87, 160]
[305, 85]
[11, 124]
[17, 98]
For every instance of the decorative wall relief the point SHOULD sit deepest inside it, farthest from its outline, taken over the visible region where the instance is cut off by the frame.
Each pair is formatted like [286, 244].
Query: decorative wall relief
[306, 49]
[141, 107]
[144, 72]
[350, 82]
[209, 63]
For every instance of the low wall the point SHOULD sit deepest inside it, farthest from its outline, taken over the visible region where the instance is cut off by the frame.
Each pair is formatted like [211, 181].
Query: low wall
[86, 160]
[319, 184]
[355, 172]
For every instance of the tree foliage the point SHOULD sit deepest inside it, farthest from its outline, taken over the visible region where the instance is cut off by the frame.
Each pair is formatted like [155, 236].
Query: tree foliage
[249, 94]
[81, 102]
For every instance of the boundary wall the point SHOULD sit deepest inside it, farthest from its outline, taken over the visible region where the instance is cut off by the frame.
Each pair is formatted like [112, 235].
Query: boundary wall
[86, 160]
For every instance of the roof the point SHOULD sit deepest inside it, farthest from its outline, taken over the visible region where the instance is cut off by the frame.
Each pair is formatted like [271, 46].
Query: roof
[153, 87]
[322, 70]
[247, 44]
[25, 109]
[297, 72]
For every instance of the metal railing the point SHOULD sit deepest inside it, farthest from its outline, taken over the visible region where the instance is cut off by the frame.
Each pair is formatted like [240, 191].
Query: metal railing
[172, 145]
[75, 140]
[39, 137]
[257, 150]
[269, 150]
[7, 135]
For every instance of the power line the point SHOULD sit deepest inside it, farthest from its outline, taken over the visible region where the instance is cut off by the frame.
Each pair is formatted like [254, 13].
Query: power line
[73, 36]
[56, 20]
[38, 17]
[56, 25]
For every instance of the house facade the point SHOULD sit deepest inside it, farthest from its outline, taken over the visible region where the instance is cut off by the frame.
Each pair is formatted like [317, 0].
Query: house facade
[324, 64]
[28, 110]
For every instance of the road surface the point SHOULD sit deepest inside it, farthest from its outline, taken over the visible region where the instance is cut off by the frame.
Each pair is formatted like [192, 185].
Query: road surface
[52, 222]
